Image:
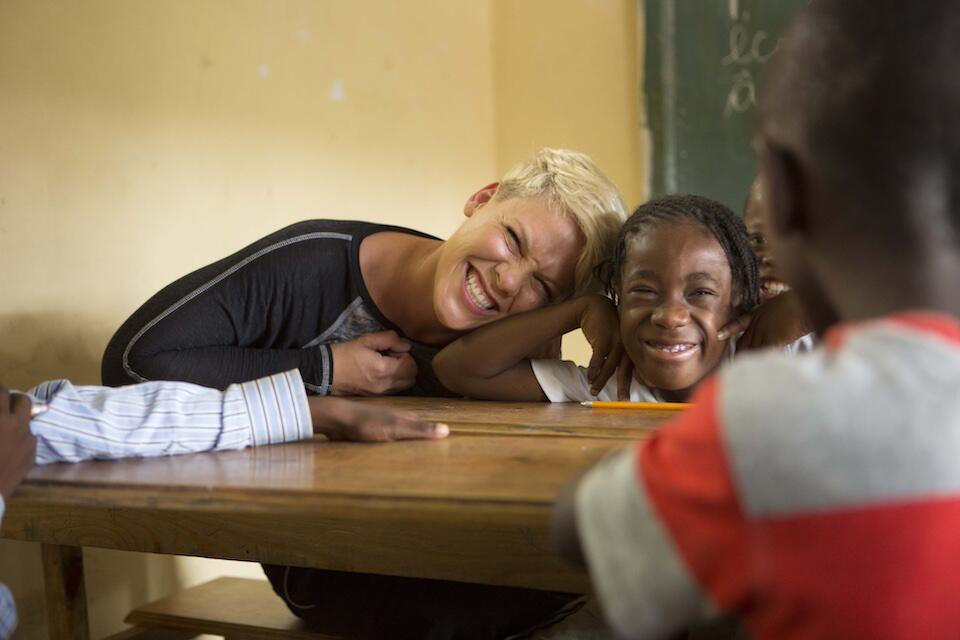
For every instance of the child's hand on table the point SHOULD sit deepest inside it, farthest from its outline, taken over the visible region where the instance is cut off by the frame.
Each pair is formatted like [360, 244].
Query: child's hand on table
[340, 419]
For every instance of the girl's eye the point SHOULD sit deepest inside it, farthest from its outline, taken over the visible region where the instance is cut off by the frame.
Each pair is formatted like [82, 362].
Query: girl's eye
[703, 292]
[758, 239]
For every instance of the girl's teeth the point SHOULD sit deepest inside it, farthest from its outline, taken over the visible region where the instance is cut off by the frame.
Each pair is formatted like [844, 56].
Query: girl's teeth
[674, 348]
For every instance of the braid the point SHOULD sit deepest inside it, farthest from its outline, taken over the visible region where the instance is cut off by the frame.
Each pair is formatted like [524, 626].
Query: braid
[720, 221]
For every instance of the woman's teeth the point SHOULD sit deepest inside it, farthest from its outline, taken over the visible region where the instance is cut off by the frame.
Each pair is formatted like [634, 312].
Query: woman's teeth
[476, 292]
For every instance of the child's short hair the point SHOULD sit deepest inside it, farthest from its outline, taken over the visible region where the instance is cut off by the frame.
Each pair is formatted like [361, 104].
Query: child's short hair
[714, 217]
[877, 110]
[570, 182]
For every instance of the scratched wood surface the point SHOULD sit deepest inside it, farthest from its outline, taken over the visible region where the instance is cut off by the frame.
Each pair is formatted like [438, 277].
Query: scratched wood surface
[474, 507]
[530, 418]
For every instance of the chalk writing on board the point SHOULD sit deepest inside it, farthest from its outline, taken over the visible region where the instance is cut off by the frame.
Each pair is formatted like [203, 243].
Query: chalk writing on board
[746, 49]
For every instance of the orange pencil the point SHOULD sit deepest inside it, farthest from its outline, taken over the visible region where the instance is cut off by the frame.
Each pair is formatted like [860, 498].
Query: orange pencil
[663, 406]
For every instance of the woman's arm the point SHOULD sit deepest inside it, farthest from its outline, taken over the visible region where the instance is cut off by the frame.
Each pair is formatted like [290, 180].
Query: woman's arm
[248, 315]
[493, 362]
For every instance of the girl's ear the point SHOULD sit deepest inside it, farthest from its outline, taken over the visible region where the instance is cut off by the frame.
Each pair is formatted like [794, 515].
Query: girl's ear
[610, 280]
[736, 304]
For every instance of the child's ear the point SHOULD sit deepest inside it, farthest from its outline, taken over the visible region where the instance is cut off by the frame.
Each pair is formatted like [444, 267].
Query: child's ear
[480, 198]
[736, 305]
[782, 178]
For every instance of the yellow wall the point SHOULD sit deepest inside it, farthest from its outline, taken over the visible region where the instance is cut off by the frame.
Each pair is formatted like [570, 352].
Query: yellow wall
[141, 139]
[567, 74]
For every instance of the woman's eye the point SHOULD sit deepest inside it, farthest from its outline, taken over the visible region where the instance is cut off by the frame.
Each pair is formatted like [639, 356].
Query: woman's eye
[643, 291]
[513, 239]
[757, 239]
[542, 290]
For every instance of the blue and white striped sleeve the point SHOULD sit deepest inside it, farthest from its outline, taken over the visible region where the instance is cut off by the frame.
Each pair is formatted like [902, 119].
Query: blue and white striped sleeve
[165, 418]
[8, 610]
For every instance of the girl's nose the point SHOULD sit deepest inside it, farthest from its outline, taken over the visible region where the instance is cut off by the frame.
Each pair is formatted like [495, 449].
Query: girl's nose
[671, 315]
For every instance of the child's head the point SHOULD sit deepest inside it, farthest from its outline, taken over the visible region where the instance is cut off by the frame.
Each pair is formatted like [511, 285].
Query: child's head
[771, 285]
[859, 149]
[682, 268]
[529, 240]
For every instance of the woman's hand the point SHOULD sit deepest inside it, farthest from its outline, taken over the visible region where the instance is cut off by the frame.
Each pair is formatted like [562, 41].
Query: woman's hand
[601, 326]
[373, 364]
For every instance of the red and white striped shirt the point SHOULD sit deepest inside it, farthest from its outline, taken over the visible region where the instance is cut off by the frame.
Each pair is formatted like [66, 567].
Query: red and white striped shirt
[814, 497]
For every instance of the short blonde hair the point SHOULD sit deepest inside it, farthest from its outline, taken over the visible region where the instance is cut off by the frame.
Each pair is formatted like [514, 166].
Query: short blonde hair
[571, 183]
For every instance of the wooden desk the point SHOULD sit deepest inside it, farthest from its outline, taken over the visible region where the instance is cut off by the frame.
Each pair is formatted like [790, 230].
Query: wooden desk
[474, 507]
[530, 418]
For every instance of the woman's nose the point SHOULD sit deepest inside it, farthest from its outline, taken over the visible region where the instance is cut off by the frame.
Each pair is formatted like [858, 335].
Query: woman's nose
[511, 276]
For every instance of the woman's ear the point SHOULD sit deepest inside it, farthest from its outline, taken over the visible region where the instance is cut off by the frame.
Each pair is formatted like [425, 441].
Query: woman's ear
[480, 198]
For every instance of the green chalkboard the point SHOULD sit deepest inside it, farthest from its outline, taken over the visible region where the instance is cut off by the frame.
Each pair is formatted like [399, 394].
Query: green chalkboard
[703, 60]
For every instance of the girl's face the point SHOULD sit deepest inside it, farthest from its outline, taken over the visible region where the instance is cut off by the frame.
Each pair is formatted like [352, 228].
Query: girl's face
[676, 291]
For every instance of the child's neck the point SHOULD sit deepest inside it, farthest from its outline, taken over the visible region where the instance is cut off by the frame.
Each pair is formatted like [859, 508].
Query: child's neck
[667, 395]
[926, 282]
[399, 270]
[681, 395]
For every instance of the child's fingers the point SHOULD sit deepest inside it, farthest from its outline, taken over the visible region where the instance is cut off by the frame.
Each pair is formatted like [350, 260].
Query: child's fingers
[606, 370]
[596, 361]
[411, 429]
[624, 377]
[735, 327]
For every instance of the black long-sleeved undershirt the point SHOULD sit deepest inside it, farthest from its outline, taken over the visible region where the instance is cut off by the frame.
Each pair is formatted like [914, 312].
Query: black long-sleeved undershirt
[275, 305]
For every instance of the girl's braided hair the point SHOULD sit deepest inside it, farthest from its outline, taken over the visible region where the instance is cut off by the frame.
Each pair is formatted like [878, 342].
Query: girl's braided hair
[720, 221]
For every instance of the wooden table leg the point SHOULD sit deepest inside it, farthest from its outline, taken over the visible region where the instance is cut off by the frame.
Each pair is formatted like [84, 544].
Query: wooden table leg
[66, 594]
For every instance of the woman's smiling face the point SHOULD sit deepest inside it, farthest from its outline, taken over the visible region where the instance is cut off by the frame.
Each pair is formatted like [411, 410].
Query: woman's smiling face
[676, 292]
[508, 256]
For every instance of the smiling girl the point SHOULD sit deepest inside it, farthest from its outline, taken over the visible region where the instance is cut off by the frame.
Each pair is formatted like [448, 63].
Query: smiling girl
[682, 269]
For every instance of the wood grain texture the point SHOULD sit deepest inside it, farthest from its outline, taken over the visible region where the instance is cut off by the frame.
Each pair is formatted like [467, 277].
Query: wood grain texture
[461, 468]
[474, 507]
[143, 633]
[469, 508]
[529, 418]
[232, 607]
[65, 592]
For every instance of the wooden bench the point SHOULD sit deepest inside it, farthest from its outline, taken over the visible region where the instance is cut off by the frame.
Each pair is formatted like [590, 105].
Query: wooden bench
[236, 608]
